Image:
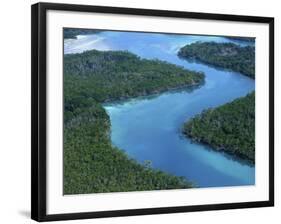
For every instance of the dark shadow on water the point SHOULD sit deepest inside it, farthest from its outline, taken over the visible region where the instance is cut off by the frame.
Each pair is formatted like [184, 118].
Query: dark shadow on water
[227, 155]
[205, 146]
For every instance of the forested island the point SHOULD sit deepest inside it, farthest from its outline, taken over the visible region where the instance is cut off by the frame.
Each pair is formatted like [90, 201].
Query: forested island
[225, 55]
[230, 127]
[71, 33]
[91, 163]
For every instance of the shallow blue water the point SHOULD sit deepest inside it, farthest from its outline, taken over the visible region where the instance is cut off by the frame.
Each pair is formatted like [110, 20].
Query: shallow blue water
[148, 128]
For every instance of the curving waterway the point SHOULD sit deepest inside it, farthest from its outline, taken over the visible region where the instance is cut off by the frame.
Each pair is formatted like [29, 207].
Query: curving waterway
[149, 128]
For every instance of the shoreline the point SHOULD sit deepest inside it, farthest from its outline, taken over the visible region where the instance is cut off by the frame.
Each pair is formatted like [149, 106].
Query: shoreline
[123, 100]
[198, 127]
[142, 95]
[216, 148]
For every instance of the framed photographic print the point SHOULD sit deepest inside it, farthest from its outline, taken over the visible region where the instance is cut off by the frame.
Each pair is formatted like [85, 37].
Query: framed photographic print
[139, 111]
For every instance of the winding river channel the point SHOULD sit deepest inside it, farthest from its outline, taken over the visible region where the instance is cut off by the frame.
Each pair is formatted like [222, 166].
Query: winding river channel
[149, 128]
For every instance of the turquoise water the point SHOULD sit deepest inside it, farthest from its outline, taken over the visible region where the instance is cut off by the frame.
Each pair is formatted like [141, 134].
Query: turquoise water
[149, 128]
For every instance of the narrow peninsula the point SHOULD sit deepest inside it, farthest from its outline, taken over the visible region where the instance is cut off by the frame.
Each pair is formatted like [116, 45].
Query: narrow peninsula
[91, 163]
[229, 128]
[225, 55]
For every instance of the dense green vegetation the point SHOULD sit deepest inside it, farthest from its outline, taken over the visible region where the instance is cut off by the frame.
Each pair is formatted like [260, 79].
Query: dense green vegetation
[224, 55]
[230, 127]
[91, 163]
[114, 75]
[71, 33]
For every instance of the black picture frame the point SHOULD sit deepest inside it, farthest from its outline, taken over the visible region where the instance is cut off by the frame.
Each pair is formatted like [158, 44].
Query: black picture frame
[38, 110]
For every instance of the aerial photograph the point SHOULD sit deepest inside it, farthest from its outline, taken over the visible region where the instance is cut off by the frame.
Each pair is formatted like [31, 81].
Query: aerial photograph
[157, 111]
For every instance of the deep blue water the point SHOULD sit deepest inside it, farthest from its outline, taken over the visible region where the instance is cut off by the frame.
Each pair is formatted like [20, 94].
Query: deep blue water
[149, 128]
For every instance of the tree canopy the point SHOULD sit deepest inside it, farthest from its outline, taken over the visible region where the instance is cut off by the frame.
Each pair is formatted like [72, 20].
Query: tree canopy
[91, 163]
[224, 55]
[230, 127]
